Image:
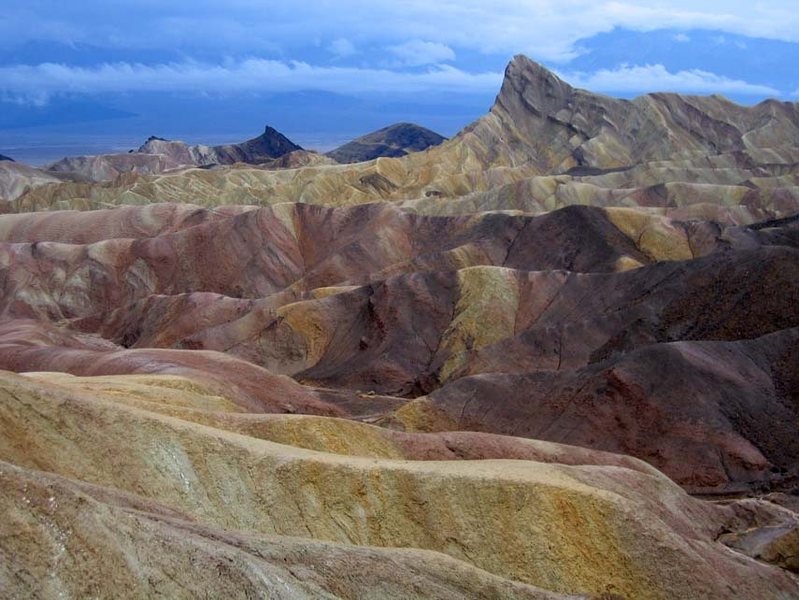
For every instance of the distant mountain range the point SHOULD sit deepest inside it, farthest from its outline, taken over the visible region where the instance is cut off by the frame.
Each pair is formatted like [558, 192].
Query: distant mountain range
[159, 155]
[269, 145]
[395, 140]
[540, 127]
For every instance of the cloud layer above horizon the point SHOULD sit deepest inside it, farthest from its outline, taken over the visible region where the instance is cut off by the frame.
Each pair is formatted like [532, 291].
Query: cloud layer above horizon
[414, 47]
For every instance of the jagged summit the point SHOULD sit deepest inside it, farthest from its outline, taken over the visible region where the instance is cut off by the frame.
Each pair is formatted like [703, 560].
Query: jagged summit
[539, 126]
[395, 140]
[540, 119]
[269, 145]
[158, 155]
[541, 87]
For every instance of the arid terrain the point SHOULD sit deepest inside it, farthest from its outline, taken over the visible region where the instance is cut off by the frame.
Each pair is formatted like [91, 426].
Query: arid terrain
[554, 356]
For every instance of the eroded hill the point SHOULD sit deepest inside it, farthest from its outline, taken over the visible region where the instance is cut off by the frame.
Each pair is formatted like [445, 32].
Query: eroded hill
[493, 369]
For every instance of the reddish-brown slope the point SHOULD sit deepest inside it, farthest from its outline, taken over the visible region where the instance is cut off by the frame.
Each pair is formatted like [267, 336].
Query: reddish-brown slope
[710, 414]
[27, 345]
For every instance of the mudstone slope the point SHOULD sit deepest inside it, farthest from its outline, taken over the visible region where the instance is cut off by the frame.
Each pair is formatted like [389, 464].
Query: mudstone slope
[552, 357]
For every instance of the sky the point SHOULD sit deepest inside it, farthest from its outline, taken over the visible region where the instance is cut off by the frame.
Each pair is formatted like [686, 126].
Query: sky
[100, 75]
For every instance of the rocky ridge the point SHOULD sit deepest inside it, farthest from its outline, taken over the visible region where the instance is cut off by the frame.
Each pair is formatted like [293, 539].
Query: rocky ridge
[549, 143]
[553, 357]
[158, 155]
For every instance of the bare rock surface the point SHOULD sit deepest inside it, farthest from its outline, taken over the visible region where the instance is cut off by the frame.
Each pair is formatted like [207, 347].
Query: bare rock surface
[179, 485]
[392, 141]
[578, 308]
[17, 178]
[548, 144]
[555, 356]
[158, 155]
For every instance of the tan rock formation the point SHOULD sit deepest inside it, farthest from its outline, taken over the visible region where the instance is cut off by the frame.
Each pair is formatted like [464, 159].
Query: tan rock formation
[568, 529]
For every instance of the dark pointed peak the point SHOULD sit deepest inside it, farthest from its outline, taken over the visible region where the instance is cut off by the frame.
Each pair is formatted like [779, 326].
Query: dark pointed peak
[6, 158]
[274, 136]
[270, 144]
[155, 138]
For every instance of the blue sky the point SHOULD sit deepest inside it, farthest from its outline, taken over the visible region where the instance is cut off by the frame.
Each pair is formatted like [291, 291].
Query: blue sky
[327, 70]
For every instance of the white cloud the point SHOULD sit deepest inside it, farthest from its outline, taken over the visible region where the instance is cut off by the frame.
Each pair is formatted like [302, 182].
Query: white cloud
[682, 38]
[650, 78]
[342, 48]
[33, 84]
[417, 53]
[544, 29]
[415, 33]
[256, 75]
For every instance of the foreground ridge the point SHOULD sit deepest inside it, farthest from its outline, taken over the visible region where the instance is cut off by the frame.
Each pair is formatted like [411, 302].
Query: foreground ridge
[199, 471]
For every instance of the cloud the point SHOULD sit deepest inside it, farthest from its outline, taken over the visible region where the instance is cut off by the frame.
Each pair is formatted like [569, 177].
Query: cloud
[545, 29]
[342, 48]
[34, 84]
[417, 53]
[649, 78]
[391, 37]
[682, 38]
[253, 75]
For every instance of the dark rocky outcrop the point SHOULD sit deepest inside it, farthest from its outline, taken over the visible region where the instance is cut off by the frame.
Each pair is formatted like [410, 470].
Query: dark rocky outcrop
[393, 141]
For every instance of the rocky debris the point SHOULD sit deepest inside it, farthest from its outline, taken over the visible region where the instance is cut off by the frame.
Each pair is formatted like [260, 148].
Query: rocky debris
[777, 544]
